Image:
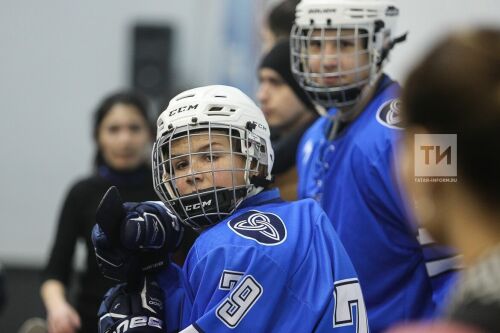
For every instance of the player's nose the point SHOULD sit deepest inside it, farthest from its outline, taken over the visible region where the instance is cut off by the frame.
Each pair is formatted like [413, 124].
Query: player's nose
[330, 55]
[195, 178]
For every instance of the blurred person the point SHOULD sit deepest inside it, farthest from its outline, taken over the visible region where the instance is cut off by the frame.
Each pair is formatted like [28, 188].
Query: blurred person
[455, 89]
[278, 23]
[123, 137]
[3, 290]
[345, 159]
[435, 327]
[288, 111]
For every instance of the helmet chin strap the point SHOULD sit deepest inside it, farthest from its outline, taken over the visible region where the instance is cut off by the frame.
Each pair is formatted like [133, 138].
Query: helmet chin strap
[260, 181]
[259, 184]
[347, 115]
[388, 48]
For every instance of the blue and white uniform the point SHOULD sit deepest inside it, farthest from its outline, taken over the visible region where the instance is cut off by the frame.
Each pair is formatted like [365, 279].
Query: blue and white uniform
[272, 266]
[353, 179]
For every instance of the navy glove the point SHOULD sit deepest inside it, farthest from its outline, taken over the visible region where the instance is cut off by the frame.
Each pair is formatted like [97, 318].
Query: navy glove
[134, 311]
[131, 239]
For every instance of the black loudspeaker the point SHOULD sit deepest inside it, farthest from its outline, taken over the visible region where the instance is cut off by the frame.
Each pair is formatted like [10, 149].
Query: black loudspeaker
[151, 69]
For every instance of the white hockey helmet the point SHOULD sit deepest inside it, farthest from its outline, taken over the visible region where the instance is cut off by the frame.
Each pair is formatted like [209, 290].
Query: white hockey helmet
[365, 25]
[210, 112]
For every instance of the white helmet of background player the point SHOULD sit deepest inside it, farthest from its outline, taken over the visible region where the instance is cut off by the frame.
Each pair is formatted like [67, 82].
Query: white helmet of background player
[196, 120]
[339, 46]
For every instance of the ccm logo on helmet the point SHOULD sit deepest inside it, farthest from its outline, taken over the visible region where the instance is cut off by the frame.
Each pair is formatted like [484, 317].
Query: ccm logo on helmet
[140, 321]
[198, 205]
[182, 109]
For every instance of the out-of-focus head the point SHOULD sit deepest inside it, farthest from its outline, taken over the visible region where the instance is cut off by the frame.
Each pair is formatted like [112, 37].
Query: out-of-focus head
[282, 100]
[212, 151]
[435, 327]
[455, 89]
[122, 131]
[278, 23]
[339, 46]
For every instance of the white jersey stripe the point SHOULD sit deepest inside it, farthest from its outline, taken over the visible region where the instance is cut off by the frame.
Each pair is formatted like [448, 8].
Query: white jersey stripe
[424, 238]
[437, 267]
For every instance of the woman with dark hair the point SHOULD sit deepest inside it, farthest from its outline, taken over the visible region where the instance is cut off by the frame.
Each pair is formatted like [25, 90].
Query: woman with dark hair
[123, 137]
[455, 92]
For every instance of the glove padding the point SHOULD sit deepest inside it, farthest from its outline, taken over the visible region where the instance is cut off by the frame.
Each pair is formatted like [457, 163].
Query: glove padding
[131, 239]
[124, 309]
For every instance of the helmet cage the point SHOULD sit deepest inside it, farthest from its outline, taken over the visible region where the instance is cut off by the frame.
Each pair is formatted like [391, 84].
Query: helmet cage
[209, 205]
[325, 86]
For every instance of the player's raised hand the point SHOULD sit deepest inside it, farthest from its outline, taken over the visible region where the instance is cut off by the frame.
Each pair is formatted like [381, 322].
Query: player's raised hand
[126, 309]
[133, 238]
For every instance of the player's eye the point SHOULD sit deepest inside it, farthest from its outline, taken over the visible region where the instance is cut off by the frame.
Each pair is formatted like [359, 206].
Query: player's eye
[275, 82]
[134, 128]
[210, 157]
[113, 129]
[181, 165]
[315, 44]
[346, 43]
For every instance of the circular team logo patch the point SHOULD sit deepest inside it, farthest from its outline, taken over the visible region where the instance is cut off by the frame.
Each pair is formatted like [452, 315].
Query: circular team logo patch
[264, 228]
[389, 114]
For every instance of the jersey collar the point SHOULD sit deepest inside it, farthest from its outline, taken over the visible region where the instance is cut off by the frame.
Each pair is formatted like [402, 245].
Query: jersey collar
[264, 197]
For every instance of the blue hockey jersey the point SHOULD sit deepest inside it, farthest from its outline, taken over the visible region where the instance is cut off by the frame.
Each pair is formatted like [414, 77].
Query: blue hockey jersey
[272, 266]
[353, 179]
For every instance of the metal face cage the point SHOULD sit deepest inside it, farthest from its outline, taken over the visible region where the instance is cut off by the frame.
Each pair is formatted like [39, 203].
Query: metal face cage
[333, 63]
[203, 171]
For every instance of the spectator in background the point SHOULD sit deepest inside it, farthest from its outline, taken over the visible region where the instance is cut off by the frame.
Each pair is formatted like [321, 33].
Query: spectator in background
[123, 137]
[3, 291]
[455, 89]
[278, 23]
[288, 111]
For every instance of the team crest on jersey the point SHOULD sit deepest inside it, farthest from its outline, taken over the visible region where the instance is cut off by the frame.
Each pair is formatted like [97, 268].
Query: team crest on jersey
[389, 114]
[264, 228]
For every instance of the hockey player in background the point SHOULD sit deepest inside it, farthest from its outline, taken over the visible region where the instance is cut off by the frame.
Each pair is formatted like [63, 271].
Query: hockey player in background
[345, 159]
[260, 264]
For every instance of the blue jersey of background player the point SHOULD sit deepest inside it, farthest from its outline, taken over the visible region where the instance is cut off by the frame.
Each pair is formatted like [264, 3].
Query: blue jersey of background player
[345, 158]
[260, 264]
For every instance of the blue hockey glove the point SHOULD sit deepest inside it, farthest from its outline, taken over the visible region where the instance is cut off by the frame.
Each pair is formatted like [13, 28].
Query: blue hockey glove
[125, 309]
[131, 239]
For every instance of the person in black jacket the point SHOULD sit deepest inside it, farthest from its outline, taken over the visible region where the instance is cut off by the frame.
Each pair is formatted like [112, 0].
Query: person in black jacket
[3, 293]
[288, 111]
[123, 137]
